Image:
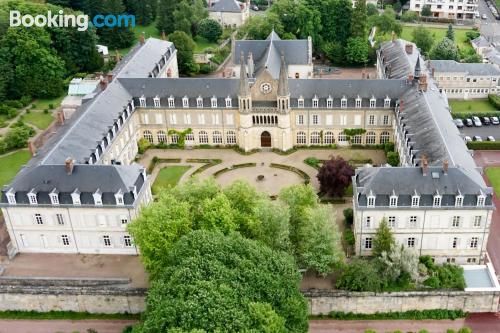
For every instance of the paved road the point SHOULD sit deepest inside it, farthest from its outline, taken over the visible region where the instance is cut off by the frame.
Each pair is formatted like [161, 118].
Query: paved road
[483, 131]
[489, 27]
[63, 326]
[479, 323]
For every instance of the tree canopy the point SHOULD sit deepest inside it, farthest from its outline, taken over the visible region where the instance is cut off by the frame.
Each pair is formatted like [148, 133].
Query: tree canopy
[446, 49]
[219, 282]
[185, 51]
[423, 38]
[335, 176]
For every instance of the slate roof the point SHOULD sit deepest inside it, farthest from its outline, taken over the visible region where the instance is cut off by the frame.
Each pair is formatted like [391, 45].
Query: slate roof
[397, 64]
[480, 41]
[267, 53]
[227, 6]
[405, 181]
[87, 179]
[451, 66]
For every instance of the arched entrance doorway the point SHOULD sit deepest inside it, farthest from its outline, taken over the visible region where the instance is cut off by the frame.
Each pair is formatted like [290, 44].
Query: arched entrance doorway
[265, 139]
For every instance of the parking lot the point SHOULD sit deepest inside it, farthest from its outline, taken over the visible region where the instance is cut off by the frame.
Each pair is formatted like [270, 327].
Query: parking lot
[483, 131]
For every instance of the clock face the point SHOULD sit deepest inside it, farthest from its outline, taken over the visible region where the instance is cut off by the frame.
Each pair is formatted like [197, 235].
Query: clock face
[266, 88]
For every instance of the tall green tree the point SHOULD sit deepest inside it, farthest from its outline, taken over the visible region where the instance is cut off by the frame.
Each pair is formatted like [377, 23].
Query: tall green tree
[359, 20]
[384, 239]
[116, 37]
[357, 51]
[166, 10]
[298, 19]
[144, 11]
[185, 51]
[423, 39]
[450, 34]
[342, 19]
[209, 29]
[446, 49]
[225, 283]
[426, 11]
[260, 26]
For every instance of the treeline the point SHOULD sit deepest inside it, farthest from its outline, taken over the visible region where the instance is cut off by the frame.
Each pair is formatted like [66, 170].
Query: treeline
[35, 62]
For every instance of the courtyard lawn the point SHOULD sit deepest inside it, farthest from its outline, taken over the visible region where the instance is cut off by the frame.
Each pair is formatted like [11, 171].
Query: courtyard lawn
[169, 177]
[494, 177]
[202, 44]
[42, 104]
[471, 106]
[39, 119]
[11, 163]
[439, 33]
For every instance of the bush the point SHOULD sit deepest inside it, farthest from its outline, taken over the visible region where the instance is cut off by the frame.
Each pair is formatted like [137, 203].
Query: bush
[349, 237]
[25, 100]
[484, 145]
[51, 106]
[46, 111]
[348, 216]
[209, 29]
[494, 100]
[472, 35]
[143, 145]
[312, 161]
[409, 315]
[393, 158]
[14, 104]
[359, 275]
[206, 68]
[409, 16]
[465, 330]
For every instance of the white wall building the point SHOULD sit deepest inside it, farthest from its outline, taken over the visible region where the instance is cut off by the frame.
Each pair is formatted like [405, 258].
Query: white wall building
[447, 9]
[229, 13]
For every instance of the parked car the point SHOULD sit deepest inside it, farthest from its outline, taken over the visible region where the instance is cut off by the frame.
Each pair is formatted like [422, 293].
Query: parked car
[255, 8]
[490, 138]
[486, 121]
[467, 138]
[484, 17]
[477, 15]
[459, 123]
[468, 122]
[477, 138]
[477, 121]
[494, 120]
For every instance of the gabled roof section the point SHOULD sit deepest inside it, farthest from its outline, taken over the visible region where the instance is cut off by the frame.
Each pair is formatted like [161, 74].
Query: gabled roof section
[452, 66]
[397, 64]
[228, 6]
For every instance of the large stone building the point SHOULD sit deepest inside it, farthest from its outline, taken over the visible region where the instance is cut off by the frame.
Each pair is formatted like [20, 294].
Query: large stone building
[78, 192]
[229, 13]
[447, 9]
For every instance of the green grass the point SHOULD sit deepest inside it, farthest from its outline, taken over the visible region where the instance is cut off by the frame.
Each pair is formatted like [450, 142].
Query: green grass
[11, 163]
[202, 44]
[493, 174]
[471, 106]
[42, 104]
[439, 33]
[65, 315]
[39, 119]
[169, 177]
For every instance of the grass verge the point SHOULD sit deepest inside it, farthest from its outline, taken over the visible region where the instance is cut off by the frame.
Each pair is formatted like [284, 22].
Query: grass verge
[39, 119]
[493, 174]
[471, 106]
[407, 315]
[70, 315]
[439, 34]
[169, 177]
[11, 163]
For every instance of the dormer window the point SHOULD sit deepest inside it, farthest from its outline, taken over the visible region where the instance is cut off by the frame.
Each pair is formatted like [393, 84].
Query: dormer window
[393, 201]
[300, 102]
[171, 102]
[436, 201]
[199, 102]
[54, 197]
[358, 102]
[213, 102]
[75, 197]
[229, 102]
[343, 102]
[459, 201]
[156, 101]
[329, 102]
[387, 102]
[97, 197]
[185, 102]
[142, 101]
[32, 197]
[370, 202]
[373, 102]
[315, 101]
[415, 201]
[481, 199]
[119, 198]
[11, 196]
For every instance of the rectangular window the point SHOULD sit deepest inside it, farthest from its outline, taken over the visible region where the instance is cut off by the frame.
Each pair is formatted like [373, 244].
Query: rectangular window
[371, 120]
[215, 119]
[411, 242]
[329, 120]
[450, 260]
[477, 221]
[474, 242]
[329, 103]
[315, 119]
[385, 120]
[60, 219]
[357, 120]
[171, 103]
[124, 220]
[343, 119]
[455, 223]
[393, 202]
[454, 243]
[315, 103]
[413, 222]
[65, 240]
[38, 219]
[127, 241]
[368, 243]
[106, 240]
[300, 103]
[173, 119]
[437, 201]
[471, 260]
[343, 103]
[368, 222]
[230, 119]
[358, 103]
[187, 119]
[300, 119]
[391, 221]
[373, 103]
[415, 201]
[371, 201]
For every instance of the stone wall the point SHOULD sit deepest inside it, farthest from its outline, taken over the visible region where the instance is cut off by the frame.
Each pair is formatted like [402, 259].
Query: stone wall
[323, 302]
[78, 299]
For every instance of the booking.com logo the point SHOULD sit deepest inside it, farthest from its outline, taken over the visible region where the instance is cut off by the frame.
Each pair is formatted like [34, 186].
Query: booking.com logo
[61, 20]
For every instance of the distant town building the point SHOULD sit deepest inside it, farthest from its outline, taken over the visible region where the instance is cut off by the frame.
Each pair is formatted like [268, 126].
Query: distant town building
[229, 13]
[447, 9]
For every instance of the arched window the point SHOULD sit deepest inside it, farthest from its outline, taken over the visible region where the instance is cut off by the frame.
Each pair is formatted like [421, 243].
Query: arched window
[329, 138]
[161, 136]
[203, 137]
[190, 137]
[370, 138]
[217, 137]
[342, 137]
[315, 138]
[301, 138]
[356, 139]
[231, 138]
[148, 136]
[384, 137]
[174, 138]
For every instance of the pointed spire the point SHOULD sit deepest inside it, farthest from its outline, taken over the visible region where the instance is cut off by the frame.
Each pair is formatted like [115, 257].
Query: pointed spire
[244, 91]
[251, 65]
[416, 75]
[283, 79]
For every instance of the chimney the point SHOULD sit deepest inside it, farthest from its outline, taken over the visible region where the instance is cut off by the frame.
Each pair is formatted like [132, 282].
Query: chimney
[409, 48]
[109, 77]
[142, 40]
[31, 148]
[410, 78]
[445, 167]
[401, 106]
[60, 117]
[69, 165]
[103, 84]
[433, 69]
[425, 165]
[117, 56]
[422, 83]
[209, 3]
